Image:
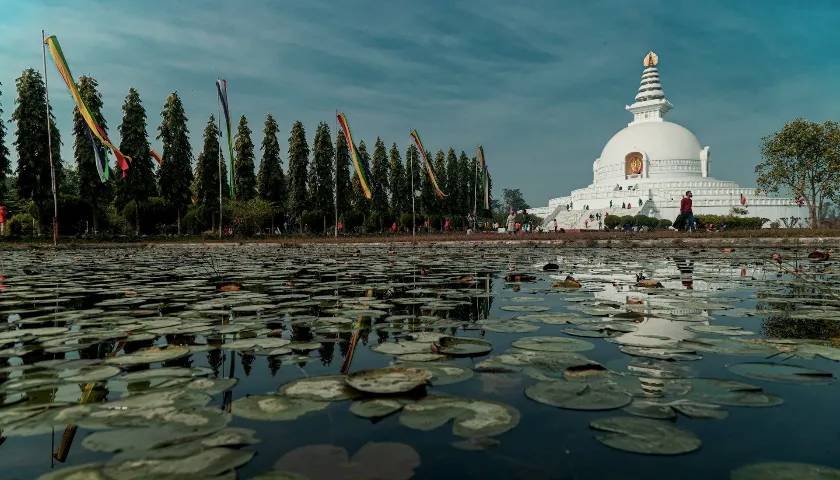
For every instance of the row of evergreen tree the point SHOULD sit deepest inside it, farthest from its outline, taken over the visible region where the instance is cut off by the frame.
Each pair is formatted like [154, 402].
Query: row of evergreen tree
[184, 191]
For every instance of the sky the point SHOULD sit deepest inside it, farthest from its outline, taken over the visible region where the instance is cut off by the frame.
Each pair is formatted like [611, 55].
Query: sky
[541, 85]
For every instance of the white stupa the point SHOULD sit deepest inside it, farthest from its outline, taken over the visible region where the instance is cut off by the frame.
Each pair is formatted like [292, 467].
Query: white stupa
[650, 164]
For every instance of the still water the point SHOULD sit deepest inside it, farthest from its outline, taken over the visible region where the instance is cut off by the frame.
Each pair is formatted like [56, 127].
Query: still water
[503, 362]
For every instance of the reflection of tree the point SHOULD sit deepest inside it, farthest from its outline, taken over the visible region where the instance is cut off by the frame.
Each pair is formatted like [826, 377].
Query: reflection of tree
[780, 324]
[274, 364]
[247, 362]
[326, 352]
[215, 360]
[301, 333]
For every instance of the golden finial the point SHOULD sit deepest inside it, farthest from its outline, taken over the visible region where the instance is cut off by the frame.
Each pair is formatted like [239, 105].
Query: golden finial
[651, 59]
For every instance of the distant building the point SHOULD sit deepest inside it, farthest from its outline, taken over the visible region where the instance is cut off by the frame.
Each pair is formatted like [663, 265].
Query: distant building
[649, 165]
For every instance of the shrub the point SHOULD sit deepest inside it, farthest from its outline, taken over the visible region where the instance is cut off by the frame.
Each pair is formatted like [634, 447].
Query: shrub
[663, 223]
[21, 224]
[612, 221]
[732, 223]
[256, 214]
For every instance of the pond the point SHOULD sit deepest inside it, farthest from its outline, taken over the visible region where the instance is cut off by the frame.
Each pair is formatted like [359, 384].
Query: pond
[430, 361]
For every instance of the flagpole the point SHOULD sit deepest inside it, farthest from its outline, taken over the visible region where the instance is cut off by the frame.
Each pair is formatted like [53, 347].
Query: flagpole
[475, 193]
[49, 140]
[219, 122]
[413, 220]
[335, 181]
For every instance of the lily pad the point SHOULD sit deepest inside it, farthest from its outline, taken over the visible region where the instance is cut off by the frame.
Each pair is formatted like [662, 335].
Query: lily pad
[327, 388]
[472, 418]
[376, 407]
[388, 380]
[463, 346]
[274, 407]
[382, 461]
[645, 436]
[553, 344]
[781, 372]
[785, 471]
[579, 395]
[151, 355]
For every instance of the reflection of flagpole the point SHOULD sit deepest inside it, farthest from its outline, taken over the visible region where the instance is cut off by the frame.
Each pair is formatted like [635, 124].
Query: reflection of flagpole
[335, 188]
[49, 141]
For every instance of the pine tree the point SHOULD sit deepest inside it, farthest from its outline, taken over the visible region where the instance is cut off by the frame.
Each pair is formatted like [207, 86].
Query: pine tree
[271, 183]
[175, 176]
[138, 185]
[298, 162]
[320, 173]
[92, 190]
[342, 181]
[466, 174]
[441, 204]
[205, 186]
[413, 168]
[454, 191]
[34, 181]
[5, 158]
[379, 182]
[396, 177]
[244, 182]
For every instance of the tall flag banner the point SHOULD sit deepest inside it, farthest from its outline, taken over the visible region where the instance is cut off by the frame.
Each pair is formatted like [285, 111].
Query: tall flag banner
[221, 87]
[157, 157]
[99, 132]
[358, 162]
[100, 161]
[485, 178]
[429, 170]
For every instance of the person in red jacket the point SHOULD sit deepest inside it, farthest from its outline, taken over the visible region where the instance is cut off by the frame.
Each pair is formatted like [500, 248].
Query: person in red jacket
[3, 212]
[685, 209]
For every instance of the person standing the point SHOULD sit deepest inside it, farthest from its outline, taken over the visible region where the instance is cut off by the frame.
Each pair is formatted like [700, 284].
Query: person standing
[511, 221]
[3, 212]
[687, 211]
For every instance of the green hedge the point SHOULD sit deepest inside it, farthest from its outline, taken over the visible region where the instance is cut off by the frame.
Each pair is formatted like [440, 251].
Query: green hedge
[612, 221]
[731, 222]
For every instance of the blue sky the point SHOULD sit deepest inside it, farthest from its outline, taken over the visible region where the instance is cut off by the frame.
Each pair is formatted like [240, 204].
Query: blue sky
[542, 85]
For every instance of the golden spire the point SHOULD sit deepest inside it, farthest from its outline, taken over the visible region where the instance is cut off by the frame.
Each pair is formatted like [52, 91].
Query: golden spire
[651, 59]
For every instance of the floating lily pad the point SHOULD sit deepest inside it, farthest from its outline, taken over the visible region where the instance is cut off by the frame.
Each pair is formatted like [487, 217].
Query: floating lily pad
[553, 344]
[645, 436]
[382, 461]
[203, 464]
[781, 372]
[463, 346]
[441, 373]
[329, 388]
[388, 380]
[421, 357]
[151, 355]
[274, 407]
[579, 395]
[785, 471]
[719, 330]
[472, 418]
[509, 326]
[402, 348]
[376, 407]
[729, 393]
[525, 308]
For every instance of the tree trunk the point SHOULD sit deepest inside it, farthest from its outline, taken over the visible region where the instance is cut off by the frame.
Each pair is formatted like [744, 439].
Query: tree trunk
[136, 219]
[179, 220]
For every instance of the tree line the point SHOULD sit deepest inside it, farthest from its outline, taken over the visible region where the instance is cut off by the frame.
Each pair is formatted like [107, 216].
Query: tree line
[181, 195]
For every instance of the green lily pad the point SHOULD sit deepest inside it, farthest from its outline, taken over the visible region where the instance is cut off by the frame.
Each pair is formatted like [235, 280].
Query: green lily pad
[719, 330]
[579, 395]
[785, 471]
[526, 308]
[376, 407]
[151, 355]
[327, 388]
[781, 372]
[274, 407]
[645, 436]
[463, 346]
[728, 393]
[509, 326]
[382, 461]
[441, 373]
[388, 380]
[402, 348]
[203, 464]
[472, 418]
[553, 344]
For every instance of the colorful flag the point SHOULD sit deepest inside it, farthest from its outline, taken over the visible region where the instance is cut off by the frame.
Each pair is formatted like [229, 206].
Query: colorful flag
[359, 163]
[221, 87]
[100, 161]
[99, 132]
[157, 157]
[429, 170]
